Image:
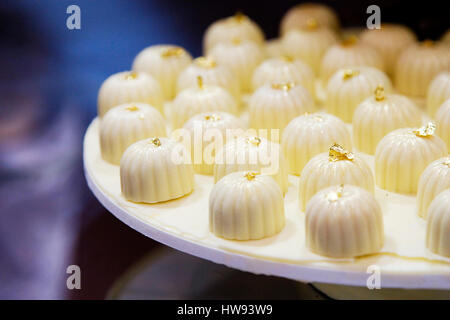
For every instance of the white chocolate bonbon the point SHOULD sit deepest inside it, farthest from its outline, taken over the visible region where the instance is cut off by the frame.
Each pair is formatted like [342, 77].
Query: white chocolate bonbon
[434, 179]
[390, 40]
[125, 124]
[272, 106]
[241, 57]
[252, 153]
[337, 166]
[309, 45]
[227, 29]
[438, 92]
[344, 221]
[443, 122]
[199, 99]
[349, 87]
[246, 206]
[155, 170]
[438, 224]
[417, 66]
[380, 114]
[209, 132]
[350, 53]
[212, 73]
[311, 134]
[300, 17]
[284, 69]
[164, 63]
[402, 155]
[129, 86]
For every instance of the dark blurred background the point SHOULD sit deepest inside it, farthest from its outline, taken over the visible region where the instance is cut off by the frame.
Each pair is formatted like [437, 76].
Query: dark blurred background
[48, 86]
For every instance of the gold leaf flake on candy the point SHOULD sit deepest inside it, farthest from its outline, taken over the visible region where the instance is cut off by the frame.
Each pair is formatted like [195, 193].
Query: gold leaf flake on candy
[349, 73]
[155, 141]
[251, 175]
[254, 140]
[200, 82]
[287, 58]
[212, 117]
[132, 108]
[425, 131]
[349, 41]
[446, 162]
[337, 153]
[283, 86]
[239, 17]
[334, 196]
[311, 24]
[205, 62]
[172, 52]
[379, 93]
[236, 41]
[131, 75]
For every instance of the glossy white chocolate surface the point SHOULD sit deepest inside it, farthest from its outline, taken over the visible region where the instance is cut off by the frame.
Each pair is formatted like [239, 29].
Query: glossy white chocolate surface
[246, 206]
[125, 124]
[402, 155]
[311, 134]
[438, 224]
[154, 170]
[348, 87]
[343, 222]
[164, 63]
[434, 179]
[129, 86]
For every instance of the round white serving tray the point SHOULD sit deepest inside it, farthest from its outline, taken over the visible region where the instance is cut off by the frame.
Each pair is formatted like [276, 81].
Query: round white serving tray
[395, 271]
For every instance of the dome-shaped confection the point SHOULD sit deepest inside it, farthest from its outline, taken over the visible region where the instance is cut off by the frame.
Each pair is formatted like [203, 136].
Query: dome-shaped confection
[274, 48]
[212, 74]
[300, 16]
[330, 168]
[246, 206]
[344, 221]
[124, 87]
[418, 65]
[164, 63]
[402, 155]
[209, 132]
[443, 122]
[284, 69]
[380, 114]
[252, 153]
[156, 170]
[310, 134]
[225, 30]
[125, 124]
[438, 92]
[241, 57]
[309, 45]
[201, 98]
[272, 106]
[347, 88]
[438, 224]
[389, 41]
[434, 179]
[350, 53]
